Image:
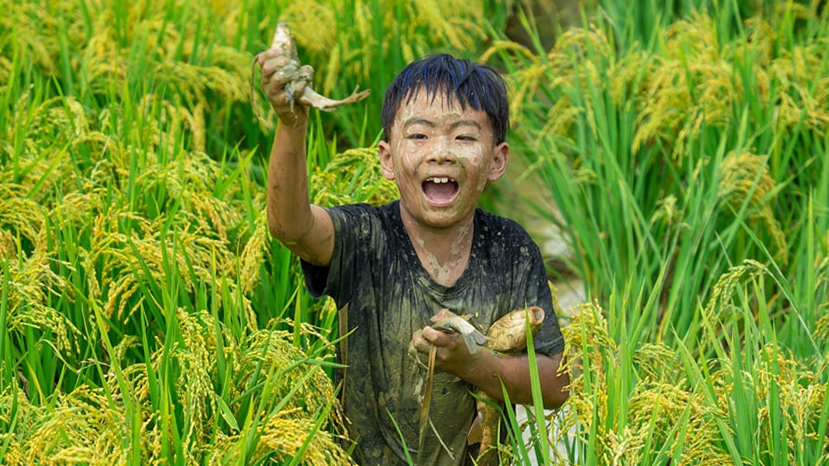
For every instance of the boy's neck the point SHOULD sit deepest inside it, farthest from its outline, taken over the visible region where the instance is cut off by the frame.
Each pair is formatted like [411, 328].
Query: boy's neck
[444, 253]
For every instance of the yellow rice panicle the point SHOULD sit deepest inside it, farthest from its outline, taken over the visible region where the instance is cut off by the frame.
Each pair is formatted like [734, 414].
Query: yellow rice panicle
[696, 35]
[8, 245]
[256, 249]
[452, 22]
[559, 121]
[662, 404]
[745, 178]
[630, 75]
[49, 121]
[196, 357]
[658, 362]
[104, 60]
[313, 25]
[668, 212]
[821, 332]
[525, 84]
[119, 293]
[352, 176]
[624, 448]
[660, 396]
[27, 416]
[283, 435]
[83, 427]
[275, 350]
[457, 23]
[720, 300]
[25, 217]
[35, 32]
[587, 332]
[5, 73]
[798, 105]
[759, 47]
[29, 283]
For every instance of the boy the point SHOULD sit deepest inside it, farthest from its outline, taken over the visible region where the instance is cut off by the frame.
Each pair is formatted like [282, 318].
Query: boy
[395, 266]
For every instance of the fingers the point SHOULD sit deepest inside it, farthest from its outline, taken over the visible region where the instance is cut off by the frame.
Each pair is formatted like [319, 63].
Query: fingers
[283, 81]
[425, 338]
[419, 343]
[439, 337]
[271, 64]
[449, 345]
[307, 72]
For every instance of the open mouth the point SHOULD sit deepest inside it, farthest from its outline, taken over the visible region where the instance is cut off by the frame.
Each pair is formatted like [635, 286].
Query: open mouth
[440, 190]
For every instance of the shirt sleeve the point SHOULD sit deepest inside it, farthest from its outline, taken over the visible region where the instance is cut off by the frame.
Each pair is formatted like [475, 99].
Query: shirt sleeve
[549, 340]
[354, 225]
[532, 288]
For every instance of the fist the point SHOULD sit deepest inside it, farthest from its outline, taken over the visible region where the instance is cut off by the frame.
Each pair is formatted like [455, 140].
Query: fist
[283, 81]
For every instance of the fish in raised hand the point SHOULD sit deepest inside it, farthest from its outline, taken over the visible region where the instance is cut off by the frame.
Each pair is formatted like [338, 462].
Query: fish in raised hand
[283, 41]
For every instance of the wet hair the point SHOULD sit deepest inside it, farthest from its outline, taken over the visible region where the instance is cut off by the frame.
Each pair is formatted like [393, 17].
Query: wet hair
[471, 84]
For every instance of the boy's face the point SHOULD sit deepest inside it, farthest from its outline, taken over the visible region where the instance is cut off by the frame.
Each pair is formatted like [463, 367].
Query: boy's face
[442, 158]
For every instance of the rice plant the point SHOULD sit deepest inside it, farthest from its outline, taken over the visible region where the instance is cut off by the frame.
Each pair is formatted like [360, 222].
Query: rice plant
[146, 316]
[690, 172]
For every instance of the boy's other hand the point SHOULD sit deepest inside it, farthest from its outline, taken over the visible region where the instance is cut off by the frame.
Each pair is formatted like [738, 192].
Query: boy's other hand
[452, 353]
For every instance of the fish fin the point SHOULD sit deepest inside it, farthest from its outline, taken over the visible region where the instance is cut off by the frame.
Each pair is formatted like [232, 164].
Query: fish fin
[476, 431]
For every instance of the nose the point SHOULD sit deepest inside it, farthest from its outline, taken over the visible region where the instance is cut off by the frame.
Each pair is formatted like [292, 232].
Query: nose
[441, 151]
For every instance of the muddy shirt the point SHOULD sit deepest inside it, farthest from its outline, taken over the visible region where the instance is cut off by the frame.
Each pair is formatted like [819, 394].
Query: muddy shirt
[376, 272]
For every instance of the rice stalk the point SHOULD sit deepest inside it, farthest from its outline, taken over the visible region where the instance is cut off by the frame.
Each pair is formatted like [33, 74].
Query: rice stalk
[669, 413]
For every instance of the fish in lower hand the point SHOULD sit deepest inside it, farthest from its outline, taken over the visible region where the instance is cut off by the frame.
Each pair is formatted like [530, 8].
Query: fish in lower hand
[457, 324]
[507, 335]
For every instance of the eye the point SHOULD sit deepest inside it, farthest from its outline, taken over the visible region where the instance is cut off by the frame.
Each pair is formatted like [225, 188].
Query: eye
[416, 136]
[464, 137]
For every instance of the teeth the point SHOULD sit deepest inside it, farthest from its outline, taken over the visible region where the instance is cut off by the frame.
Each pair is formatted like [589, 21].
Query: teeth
[439, 180]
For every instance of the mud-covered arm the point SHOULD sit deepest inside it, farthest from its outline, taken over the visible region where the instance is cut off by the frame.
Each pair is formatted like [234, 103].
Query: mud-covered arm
[487, 370]
[303, 228]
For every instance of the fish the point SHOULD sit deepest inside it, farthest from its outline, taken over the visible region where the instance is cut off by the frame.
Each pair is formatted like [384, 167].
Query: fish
[458, 324]
[506, 335]
[472, 337]
[284, 41]
[509, 333]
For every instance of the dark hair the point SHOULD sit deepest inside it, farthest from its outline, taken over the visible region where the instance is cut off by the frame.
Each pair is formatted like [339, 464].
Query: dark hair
[471, 84]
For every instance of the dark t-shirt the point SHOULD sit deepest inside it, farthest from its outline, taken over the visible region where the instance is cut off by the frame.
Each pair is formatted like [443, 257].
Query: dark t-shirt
[376, 272]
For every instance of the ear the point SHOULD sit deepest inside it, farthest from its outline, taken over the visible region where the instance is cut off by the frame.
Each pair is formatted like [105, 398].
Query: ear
[386, 162]
[500, 160]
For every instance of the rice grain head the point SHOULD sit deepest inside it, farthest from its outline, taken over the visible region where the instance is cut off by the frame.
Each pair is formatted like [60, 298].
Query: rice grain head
[745, 178]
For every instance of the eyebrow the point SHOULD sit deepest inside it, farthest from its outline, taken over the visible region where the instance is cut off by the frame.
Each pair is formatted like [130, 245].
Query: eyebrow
[431, 124]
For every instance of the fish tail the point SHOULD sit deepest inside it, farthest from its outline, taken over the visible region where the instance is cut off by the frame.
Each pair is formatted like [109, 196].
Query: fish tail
[312, 98]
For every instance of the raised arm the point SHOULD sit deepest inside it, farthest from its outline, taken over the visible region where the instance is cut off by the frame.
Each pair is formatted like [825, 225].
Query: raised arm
[303, 228]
